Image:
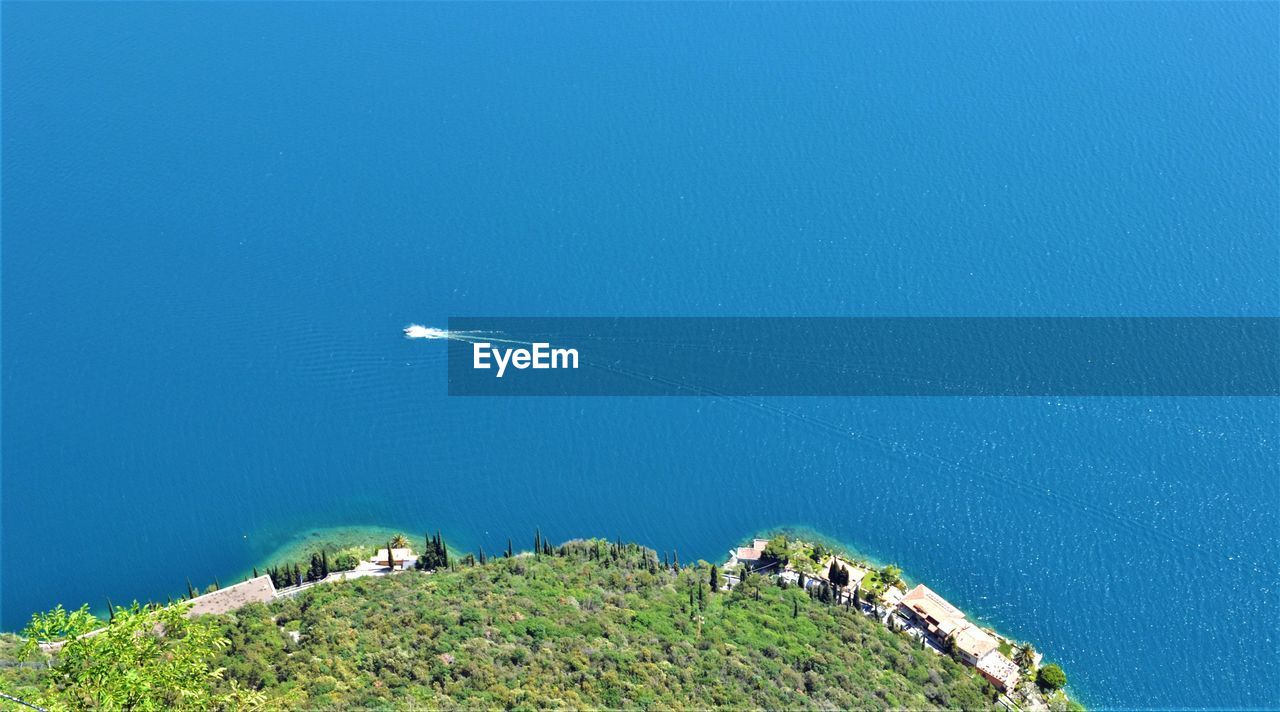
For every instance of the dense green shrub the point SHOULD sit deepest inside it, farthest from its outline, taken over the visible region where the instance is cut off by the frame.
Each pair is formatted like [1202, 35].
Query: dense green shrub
[1051, 677]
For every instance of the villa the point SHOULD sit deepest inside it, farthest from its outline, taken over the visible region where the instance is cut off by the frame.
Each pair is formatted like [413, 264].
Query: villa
[932, 612]
[399, 560]
[749, 556]
[972, 644]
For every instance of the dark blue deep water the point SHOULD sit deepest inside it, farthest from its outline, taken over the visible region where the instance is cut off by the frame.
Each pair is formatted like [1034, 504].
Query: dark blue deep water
[217, 218]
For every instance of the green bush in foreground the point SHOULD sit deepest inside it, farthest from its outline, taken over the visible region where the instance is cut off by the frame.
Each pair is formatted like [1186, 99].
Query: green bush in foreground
[146, 658]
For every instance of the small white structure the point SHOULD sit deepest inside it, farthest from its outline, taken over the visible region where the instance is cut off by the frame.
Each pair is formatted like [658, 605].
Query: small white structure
[399, 560]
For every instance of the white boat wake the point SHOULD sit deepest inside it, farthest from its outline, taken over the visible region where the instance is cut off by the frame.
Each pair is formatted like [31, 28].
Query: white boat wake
[418, 331]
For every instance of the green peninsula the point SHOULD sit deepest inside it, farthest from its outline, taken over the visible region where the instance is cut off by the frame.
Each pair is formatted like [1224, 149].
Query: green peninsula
[586, 624]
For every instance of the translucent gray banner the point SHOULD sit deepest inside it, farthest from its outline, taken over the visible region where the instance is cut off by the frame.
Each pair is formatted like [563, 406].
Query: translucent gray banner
[863, 356]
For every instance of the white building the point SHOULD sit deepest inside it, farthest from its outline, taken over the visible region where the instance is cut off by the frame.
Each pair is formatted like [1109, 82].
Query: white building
[399, 560]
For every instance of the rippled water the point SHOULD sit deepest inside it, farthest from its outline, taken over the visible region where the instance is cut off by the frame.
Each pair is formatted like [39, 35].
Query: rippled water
[217, 220]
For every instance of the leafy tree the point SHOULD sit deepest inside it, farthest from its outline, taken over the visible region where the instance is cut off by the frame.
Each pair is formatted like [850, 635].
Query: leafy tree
[347, 559]
[435, 555]
[1051, 677]
[837, 575]
[146, 658]
[315, 569]
[891, 575]
[776, 549]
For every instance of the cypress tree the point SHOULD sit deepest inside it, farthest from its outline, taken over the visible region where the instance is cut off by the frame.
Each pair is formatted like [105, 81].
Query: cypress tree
[324, 564]
[111, 610]
[537, 541]
[191, 591]
[482, 556]
[255, 572]
[509, 552]
[216, 585]
[715, 579]
[795, 608]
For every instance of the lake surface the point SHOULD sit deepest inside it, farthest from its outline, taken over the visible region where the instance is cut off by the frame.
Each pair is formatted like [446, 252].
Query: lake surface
[217, 218]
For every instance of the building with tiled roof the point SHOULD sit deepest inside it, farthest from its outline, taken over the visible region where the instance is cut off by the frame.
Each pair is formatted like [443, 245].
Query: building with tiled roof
[972, 643]
[399, 559]
[931, 611]
[999, 670]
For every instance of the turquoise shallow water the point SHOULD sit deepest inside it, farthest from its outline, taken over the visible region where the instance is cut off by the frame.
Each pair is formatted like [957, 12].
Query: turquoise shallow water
[217, 218]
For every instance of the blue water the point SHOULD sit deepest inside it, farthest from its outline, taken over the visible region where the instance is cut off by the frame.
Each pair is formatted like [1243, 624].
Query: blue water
[217, 218]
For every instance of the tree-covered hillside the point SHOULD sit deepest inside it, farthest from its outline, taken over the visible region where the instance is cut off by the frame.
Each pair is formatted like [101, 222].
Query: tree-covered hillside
[592, 624]
[589, 624]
